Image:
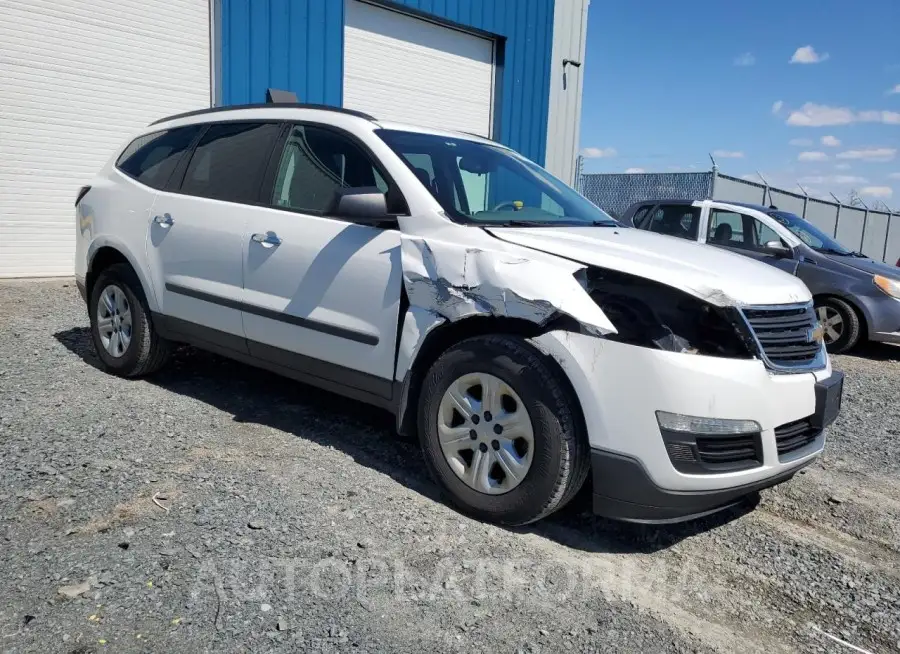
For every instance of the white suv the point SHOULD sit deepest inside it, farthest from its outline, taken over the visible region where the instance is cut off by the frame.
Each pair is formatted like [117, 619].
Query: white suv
[525, 335]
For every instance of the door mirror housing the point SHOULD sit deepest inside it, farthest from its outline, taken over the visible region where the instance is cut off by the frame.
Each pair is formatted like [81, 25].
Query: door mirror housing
[778, 249]
[365, 205]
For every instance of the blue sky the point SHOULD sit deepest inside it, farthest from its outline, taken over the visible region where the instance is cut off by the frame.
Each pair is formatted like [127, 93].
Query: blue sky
[667, 82]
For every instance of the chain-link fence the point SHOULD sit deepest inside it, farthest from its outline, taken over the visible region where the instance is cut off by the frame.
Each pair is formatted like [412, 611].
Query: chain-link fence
[614, 193]
[874, 233]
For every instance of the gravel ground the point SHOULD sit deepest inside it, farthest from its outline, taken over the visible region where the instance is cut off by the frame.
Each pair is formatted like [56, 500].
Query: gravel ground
[215, 507]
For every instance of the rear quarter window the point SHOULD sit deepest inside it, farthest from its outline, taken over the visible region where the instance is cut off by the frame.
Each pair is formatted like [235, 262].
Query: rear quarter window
[151, 158]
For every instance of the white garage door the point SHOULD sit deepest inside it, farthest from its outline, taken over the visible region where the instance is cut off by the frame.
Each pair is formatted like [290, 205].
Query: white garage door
[401, 68]
[76, 78]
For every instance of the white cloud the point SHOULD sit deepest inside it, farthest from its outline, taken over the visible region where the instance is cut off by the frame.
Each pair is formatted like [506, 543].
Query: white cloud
[812, 156]
[818, 115]
[728, 154]
[877, 191]
[894, 175]
[808, 55]
[777, 106]
[894, 90]
[634, 170]
[830, 141]
[842, 166]
[599, 153]
[800, 142]
[869, 154]
[746, 59]
[880, 116]
[833, 179]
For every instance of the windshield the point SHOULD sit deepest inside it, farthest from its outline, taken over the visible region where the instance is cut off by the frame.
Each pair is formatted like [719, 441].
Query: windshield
[477, 183]
[810, 234]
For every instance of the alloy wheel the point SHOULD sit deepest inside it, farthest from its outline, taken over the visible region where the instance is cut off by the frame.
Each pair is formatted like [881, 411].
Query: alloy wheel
[114, 321]
[831, 322]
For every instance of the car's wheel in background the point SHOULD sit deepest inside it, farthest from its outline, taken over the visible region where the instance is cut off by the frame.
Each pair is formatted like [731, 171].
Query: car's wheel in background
[840, 323]
[501, 432]
[121, 329]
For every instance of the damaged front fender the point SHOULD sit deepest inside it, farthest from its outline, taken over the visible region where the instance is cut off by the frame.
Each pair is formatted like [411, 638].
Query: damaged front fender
[458, 281]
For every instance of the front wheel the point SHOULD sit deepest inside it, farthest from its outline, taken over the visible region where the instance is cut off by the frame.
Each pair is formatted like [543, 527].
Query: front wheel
[840, 324]
[500, 432]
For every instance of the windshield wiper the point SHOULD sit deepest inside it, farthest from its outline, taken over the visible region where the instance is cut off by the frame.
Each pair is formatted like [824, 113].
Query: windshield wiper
[552, 223]
[840, 253]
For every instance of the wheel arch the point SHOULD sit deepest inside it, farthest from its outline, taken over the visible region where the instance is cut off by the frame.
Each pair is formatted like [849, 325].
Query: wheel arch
[448, 334]
[104, 253]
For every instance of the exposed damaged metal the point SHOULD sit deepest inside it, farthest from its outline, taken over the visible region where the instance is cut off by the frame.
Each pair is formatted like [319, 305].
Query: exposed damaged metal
[457, 281]
[651, 314]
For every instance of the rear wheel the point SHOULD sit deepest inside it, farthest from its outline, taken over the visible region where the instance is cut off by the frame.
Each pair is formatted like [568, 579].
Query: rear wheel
[121, 328]
[499, 431]
[840, 323]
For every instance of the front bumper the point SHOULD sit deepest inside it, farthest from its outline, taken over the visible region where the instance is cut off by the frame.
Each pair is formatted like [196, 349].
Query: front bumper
[623, 490]
[883, 318]
[620, 387]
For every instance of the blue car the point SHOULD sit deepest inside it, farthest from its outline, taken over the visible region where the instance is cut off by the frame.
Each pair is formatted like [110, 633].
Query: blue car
[856, 298]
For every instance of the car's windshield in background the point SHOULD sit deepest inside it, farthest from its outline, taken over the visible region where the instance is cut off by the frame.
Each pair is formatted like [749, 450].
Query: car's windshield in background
[482, 184]
[810, 234]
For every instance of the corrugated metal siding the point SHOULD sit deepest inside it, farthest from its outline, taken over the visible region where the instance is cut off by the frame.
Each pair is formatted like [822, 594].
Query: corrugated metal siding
[564, 120]
[294, 45]
[297, 45]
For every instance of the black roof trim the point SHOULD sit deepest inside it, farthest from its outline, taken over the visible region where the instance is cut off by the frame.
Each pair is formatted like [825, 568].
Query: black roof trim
[667, 201]
[265, 105]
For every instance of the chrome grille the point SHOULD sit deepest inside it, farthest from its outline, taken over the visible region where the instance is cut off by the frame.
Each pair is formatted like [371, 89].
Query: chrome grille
[784, 335]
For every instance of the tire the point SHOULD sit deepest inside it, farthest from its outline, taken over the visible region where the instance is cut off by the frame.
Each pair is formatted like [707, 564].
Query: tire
[848, 326]
[145, 351]
[559, 457]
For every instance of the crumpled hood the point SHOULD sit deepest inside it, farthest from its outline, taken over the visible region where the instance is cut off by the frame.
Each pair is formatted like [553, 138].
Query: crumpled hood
[717, 276]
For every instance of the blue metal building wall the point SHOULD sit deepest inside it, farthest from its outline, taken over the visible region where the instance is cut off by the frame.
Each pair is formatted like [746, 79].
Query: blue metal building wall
[298, 45]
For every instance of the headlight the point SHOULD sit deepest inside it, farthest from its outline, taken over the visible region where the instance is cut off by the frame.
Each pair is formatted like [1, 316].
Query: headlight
[705, 426]
[889, 286]
[654, 315]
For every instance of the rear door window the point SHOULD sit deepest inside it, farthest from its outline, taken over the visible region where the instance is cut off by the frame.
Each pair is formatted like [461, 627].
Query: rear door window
[150, 159]
[229, 161]
[681, 220]
[727, 228]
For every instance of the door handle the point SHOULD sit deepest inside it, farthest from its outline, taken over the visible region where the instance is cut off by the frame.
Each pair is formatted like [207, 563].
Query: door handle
[164, 220]
[267, 240]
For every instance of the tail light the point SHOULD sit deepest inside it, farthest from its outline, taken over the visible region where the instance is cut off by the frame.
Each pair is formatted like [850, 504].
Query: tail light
[81, 193]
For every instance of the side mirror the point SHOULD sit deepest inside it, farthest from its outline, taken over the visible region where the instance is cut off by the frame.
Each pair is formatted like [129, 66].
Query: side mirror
[365, 205]
[778, 249]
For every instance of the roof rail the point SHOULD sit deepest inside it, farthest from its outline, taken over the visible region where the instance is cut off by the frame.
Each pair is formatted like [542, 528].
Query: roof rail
[265, 105]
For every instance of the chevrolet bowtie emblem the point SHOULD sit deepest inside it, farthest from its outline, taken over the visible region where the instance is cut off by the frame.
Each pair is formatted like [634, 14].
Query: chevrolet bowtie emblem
[816, 334]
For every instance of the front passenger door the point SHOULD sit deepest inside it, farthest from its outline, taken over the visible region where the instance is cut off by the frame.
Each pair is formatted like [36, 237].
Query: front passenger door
[321, 293]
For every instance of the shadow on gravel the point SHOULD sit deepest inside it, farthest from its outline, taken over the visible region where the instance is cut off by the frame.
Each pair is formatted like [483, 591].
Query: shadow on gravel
[876, 352]
[367, 434]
